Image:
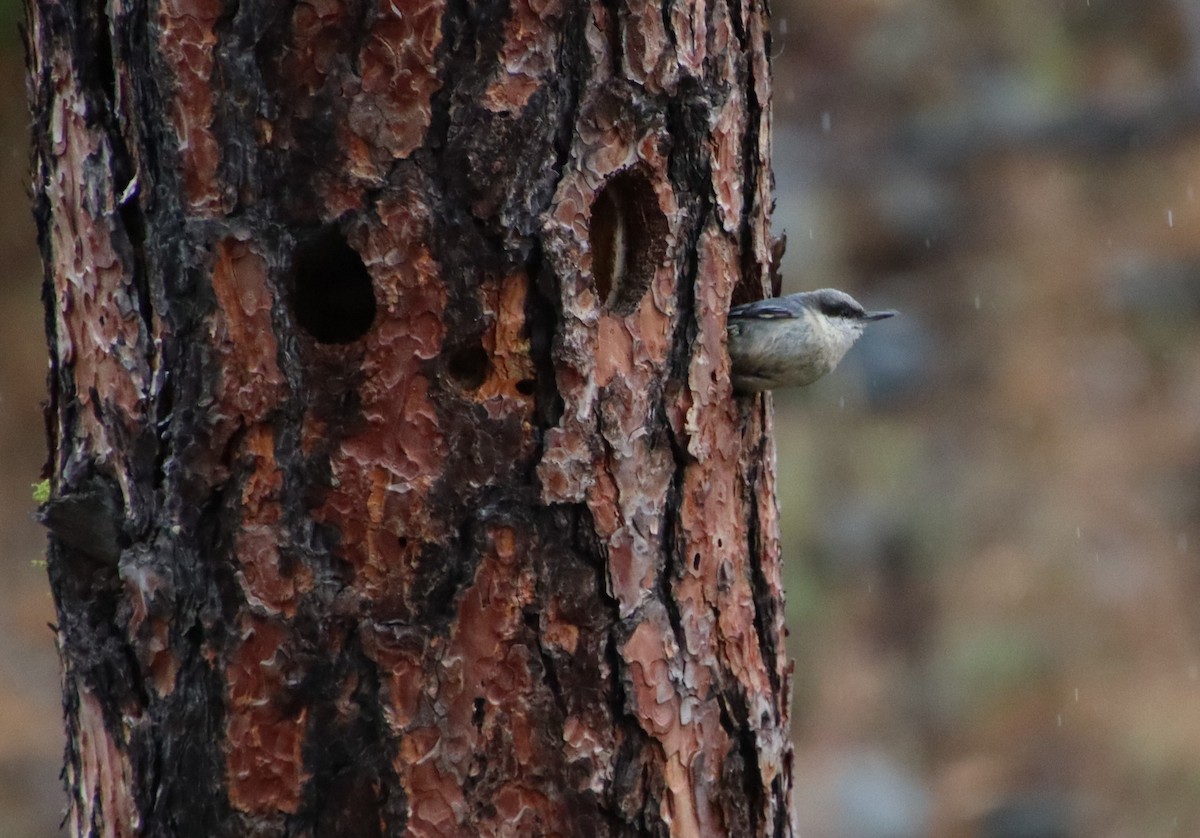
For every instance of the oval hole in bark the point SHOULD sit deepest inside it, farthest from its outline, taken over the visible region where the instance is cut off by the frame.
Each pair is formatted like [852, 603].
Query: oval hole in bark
[628, 235]
[331, 291]
[468, 366]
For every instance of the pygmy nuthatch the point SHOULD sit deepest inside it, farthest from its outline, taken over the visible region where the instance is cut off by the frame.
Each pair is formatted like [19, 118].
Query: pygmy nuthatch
[794, 340]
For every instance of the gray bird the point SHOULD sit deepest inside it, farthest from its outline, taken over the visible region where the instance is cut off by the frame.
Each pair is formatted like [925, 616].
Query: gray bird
[794, 340]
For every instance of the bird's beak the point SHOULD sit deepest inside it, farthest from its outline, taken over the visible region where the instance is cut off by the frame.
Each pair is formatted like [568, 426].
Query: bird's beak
[878, 315]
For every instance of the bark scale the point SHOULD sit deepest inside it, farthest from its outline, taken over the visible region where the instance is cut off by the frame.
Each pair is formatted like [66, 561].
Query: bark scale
[398, 487]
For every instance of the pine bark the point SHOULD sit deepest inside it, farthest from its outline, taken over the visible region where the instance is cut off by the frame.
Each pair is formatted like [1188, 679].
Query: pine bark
[397, 484]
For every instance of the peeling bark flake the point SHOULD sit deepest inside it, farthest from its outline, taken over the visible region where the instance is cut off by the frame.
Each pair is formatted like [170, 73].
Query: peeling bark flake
[264, 727]
[100, 337]
[675, 710]
[186, 41]
[108, 810]
[393, 108]
[527, 56]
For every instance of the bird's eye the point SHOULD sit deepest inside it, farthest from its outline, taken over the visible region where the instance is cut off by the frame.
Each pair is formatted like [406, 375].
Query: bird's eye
[840, 309]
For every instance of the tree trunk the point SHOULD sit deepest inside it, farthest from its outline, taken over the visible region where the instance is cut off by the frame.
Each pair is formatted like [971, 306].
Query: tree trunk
[397, 484]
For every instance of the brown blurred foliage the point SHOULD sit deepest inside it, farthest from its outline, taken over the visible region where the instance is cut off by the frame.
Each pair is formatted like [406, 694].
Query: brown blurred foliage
[991, 517]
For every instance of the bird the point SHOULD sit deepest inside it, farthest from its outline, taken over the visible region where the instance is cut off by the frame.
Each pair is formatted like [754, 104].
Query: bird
[792, 341]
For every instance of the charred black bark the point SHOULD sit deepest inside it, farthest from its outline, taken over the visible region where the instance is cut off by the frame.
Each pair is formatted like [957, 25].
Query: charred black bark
[398, 487]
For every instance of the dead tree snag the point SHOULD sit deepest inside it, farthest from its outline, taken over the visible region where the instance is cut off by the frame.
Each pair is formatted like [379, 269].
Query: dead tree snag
[398, 487]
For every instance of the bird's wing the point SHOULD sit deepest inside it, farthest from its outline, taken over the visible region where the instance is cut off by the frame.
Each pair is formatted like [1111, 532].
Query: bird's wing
[764, 310]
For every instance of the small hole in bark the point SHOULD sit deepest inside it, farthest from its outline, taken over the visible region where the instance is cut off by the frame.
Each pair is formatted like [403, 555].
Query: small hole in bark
[477, 716]
[696, 562]
[331, 291]
[468, 366]
[627, 235]
[526, 386]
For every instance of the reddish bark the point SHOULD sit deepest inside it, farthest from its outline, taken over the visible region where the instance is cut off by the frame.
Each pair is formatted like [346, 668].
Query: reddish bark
[398, 486]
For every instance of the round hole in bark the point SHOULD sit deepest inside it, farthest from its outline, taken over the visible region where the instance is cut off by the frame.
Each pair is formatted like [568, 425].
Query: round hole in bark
[331, 292]
[526, 386]
[468, 366]
[627, 235]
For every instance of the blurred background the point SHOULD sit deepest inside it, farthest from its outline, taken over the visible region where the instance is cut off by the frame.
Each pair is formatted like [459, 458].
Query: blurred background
[991, 511]
[31, 733]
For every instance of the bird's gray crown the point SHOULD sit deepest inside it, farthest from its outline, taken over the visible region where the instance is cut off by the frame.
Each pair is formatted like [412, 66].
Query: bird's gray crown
[838, 304]
[834, 303]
